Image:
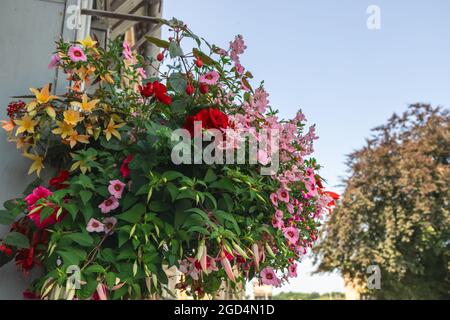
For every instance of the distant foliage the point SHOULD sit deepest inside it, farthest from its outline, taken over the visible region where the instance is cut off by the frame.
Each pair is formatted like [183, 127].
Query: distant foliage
[395, 209]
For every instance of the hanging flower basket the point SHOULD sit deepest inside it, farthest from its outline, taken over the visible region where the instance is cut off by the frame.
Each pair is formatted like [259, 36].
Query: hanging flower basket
[130, 198]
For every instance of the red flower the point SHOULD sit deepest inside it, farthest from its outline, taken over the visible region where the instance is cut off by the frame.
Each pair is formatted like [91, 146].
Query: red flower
[161, 93]
[25, 259]
[147, 90]
[333, 195]
[210, 118]
[125, 168]
[203, 88]
[27, 294]
[58, 181]
[190, 89]
[5, 250]
[199, 62]
[160, 56]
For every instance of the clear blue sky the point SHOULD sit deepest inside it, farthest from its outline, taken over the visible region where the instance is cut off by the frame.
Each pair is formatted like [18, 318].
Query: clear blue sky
[319, 56]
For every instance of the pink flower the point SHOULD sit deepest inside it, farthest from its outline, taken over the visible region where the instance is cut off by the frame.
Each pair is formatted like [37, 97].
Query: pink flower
[312, 189]
[274, 199]
[283, 195]
[277, 223]
[290, 208]
[237, 47]
[116, 188]
[209, 78]
[291, 234]
[279, 214]
[239, 68]
[127, 51]
[54, 61]
[110, 223]
[269, 277]
[262, 157]
[125, 168]
[95, 226]
[76, 54]
[292, 270]
[37, 194]
[32, 199]
[142, 73]
[109, 204]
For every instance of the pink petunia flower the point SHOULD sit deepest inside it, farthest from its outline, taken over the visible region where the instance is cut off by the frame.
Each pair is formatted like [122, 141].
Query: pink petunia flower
[277, 223]
[116, 188]
[279, 214]
[76, 54]
[109, 204]
[54, 61]
[292, 269]
[268, 277]
[291, 234]
[110, 223]
[283, 195]
[95, 226]
[209, 78]
[274, 199]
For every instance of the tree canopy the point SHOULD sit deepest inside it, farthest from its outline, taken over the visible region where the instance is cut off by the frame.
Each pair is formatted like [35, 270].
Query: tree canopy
[394, 212]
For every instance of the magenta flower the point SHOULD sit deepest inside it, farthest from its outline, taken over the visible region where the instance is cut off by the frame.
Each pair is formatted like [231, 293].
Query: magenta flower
[283, 195]
[116, 188]
[209, 78]
[274, 199]
[292, 269]
[109, 204]
[291, 234]
[95, 226]
[54, 61]
[76, 54]
[269, 277]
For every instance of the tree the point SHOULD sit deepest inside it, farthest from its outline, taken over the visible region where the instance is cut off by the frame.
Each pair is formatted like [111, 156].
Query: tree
[395, 209]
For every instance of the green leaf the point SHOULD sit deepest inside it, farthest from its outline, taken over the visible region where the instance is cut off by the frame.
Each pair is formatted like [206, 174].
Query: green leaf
[82, 239]
[179, 106]
[71, 255]
[17, 240]
[210, 176]
[178, 82]
[175, 50]
[45, 213]
[134, 214]
[87, 211]
[110, 279]
[158, 42]
[95, 268]
[172, 175]
[85, 182]
[222, 215]
[204, 57]
[223, 183]
[72, 208]
[5, 217]
[199, 230]
[85, 196]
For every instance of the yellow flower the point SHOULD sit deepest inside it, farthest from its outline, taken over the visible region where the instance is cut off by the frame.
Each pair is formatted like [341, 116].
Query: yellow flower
[111, 130]
[64, 129]
[75, 137]
[37, 163]
[21, 142]
[84, 73]
[84, 104]
[26, 124]
[8, 125]
[107, 78]
[42, 96]
[72, 117]
[88, 42]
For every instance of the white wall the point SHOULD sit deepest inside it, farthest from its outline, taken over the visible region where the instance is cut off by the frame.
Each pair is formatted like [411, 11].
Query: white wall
[28, 31]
